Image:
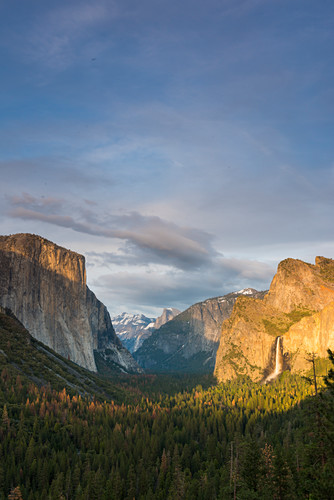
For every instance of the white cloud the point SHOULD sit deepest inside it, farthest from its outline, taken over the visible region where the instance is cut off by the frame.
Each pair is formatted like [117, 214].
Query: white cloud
[167, 134]
[149, 238]
[152, 289]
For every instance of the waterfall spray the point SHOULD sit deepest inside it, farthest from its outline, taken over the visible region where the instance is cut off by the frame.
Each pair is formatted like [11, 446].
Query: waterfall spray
[278, 362]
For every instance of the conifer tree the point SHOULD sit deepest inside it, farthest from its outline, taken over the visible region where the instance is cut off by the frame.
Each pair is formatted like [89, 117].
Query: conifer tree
[5, 418]
[15, 494]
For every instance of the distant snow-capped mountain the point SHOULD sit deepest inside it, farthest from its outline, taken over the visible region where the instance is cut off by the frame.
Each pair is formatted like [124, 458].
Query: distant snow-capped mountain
[133, 329]
[189, 342]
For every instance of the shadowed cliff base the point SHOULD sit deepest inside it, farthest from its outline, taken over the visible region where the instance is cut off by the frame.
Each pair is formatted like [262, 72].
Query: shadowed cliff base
[24, 356]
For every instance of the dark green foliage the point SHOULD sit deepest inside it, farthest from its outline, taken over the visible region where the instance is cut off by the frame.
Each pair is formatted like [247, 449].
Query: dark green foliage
[27, 358]
[176, 438]
[160, 447]
[278, 325]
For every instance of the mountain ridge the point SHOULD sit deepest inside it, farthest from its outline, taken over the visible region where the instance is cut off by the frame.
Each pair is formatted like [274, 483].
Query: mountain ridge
[133, 329]
[189, 341]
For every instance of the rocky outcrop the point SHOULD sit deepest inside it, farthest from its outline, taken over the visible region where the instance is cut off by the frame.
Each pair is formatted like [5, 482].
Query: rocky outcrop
[313, 334]
[167, 315]
[45, 287]
[189, 342]
[299, 308]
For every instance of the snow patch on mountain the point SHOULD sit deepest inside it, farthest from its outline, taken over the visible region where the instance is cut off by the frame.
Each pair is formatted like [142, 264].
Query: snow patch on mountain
[133, 329]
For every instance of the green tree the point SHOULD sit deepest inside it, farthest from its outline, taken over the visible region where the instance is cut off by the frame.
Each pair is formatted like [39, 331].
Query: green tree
[5, 418]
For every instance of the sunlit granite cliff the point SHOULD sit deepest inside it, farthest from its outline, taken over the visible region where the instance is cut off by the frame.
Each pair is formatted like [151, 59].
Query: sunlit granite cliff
[45, 287]
[295, 319]
[189, 341]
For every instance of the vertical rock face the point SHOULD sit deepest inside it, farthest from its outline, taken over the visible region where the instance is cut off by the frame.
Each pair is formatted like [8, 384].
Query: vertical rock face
[45, 287]
[189, 342]
[313, 334]
[167, 314]
[299, 309]
[298, 284]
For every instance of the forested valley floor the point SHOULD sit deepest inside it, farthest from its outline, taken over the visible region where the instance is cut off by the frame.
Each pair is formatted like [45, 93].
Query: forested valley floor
[234, 440]
[66, 433]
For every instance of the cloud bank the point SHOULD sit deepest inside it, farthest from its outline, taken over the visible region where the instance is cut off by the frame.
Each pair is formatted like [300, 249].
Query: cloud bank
[182, 143]
[155, 262]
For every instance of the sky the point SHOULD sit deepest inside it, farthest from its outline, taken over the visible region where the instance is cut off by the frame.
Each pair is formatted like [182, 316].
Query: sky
[184, 147]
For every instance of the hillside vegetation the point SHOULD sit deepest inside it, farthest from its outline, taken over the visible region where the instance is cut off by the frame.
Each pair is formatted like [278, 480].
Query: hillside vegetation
[25, 357]
[237, 438]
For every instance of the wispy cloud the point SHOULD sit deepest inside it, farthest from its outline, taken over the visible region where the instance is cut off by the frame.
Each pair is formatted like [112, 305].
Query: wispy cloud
[64, 33]
[144, 289]
[252, 270]
[157, 262]
[159, 240]
[47, 204]
[53, 175]
[165, 136]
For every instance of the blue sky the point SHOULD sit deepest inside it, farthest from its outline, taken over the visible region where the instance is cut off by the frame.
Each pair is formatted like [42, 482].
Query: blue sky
[184, 148]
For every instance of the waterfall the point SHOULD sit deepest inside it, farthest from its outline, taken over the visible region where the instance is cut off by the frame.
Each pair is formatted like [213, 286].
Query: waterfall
[278, 362]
